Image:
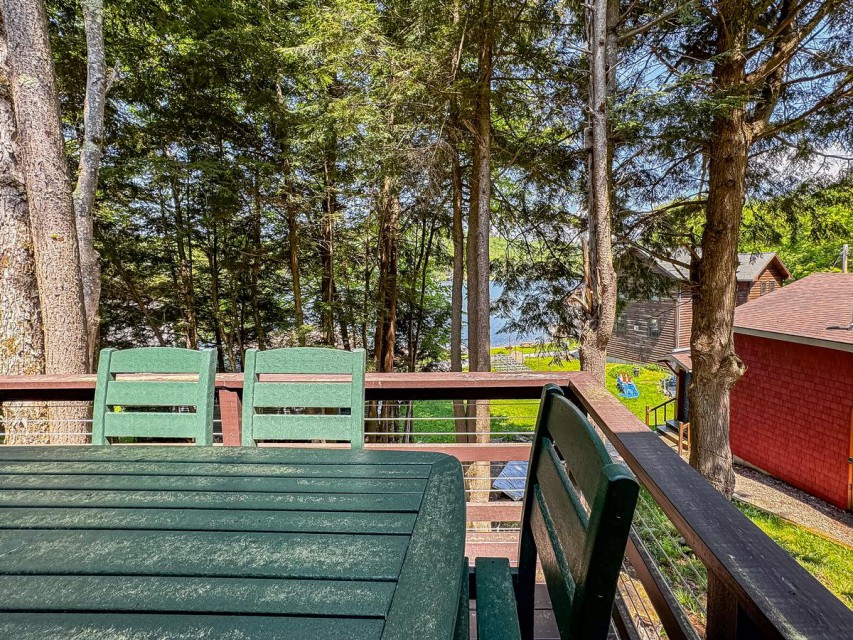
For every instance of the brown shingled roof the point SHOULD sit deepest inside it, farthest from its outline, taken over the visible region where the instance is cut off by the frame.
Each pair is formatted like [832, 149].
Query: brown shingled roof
[815, 310]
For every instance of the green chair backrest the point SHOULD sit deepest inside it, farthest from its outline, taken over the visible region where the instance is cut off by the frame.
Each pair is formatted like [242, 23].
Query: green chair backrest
[344, 391]
[117, 401]
[578, 507]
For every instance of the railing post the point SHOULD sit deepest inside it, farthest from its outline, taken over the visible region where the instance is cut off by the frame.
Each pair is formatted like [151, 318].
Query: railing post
[231, 409]
[726, 619]
[647, 416]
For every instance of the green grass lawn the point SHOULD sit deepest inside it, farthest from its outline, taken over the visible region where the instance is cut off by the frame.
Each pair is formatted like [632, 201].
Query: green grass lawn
[829, 562]
[648, 382]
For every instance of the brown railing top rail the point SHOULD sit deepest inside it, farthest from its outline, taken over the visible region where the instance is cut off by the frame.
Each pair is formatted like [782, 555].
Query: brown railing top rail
[384, 386]
[661, 405]
[756, 589]
[756, 577]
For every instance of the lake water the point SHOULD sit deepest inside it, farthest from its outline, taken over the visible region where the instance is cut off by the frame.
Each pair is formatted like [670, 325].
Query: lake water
[497, 322]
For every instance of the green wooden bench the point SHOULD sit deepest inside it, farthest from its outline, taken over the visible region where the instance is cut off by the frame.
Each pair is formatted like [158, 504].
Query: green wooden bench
[576, 519]
[118, 402]
[343, 389]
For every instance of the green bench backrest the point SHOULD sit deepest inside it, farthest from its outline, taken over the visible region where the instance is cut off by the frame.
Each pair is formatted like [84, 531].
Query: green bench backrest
[312, 393]
[117, 400]
[576, 518]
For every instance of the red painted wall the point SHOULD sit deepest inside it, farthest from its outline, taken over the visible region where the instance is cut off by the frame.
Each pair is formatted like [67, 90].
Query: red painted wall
[791, 412]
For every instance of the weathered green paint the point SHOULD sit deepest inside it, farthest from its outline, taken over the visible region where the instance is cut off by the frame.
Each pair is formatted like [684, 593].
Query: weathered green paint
[179, 542]
[438, 544]
[376, 522]
[463, 631]
[219, 470]
[497, 618]
[259, 394]
[402, 502]
[128, 395]
[224, 455]
[124, 626]
[580, 554]
[355, 598]
[264, 484]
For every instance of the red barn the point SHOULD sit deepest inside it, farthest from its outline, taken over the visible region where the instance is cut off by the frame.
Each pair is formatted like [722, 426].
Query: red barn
[792, 412]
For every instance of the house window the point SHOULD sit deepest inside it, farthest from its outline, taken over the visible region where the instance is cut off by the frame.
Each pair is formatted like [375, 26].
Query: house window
[654, 327]
[621, 324]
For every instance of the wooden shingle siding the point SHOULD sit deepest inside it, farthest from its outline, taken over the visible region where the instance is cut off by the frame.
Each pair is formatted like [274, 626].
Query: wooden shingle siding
[762, 284]
[685, 317]
[635, 344]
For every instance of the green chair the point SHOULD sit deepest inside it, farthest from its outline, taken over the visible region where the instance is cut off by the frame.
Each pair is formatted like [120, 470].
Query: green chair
[578, 506]
[344, 391]
[117, 401]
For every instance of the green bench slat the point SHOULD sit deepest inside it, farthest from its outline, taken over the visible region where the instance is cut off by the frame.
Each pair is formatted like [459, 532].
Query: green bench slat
[151, 394]
[301, 427]
[155, 360]
[195, 595]
[306, 360]
[86, 626]
[217, 470]
[567, 514]
[497, 618]
[151, 424]
[223, 455]
[213, 483]
[402, 502]
[579, 445]
[207, 520]
[555, 566]
[202, 554]
[317, 395]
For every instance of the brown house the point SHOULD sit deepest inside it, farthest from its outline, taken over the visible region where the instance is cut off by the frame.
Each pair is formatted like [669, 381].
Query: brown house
[650, 330]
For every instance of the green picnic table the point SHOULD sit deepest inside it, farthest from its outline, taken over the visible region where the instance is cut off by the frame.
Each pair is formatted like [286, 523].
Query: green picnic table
[164, 542]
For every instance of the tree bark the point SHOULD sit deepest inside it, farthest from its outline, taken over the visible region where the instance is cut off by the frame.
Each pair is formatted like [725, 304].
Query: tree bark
[326, 250]
[386, 321]
[716, 367]
[293, 250]
[51, 207]
[600, 313]
[21, 333]
[479, 228]
[183, 244]
[89, 164]
[454, 129]
[255, 268]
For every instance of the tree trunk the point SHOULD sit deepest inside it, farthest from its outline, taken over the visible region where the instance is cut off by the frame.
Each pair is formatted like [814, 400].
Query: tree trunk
[21, 333]
[600, 313]
[51, 207]
[255, 268]
[185, 267]
[479, 227]
[327, 254]
[386, 322]
[87, 171]
[293, 249]
[454, 128]
[716, 367]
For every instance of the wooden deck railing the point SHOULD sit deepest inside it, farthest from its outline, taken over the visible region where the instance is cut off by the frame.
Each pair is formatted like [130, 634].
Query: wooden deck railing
[755, 589]
[652, 419]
